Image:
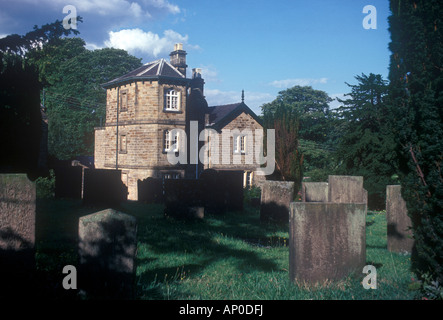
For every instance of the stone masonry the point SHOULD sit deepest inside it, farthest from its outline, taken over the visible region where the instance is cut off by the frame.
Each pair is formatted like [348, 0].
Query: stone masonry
[143, 125]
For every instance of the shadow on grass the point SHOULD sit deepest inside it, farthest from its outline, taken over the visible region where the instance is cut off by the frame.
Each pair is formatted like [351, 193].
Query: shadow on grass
[210, 241]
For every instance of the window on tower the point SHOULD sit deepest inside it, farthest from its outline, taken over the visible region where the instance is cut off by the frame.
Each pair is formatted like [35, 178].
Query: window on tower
[172, 100]
[171, 141]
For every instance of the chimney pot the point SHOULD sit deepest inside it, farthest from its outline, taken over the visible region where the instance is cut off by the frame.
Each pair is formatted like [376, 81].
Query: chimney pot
[196, 73]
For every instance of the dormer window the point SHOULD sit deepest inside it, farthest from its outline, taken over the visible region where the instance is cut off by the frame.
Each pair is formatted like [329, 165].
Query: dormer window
[172, 100]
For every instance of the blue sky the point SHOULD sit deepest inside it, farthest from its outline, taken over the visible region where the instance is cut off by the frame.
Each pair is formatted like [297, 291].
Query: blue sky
[259, 46]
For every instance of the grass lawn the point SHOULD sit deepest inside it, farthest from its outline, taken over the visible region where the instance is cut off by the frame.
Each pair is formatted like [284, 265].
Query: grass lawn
[231, 256]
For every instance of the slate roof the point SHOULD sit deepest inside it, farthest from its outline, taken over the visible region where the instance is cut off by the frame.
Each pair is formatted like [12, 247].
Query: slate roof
[149, 71]
[219, 116]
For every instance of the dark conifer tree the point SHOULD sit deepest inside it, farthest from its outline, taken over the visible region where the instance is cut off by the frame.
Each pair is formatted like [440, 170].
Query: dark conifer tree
[416, 97]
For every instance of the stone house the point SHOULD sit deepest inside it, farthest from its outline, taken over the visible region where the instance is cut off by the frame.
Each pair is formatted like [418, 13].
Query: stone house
[155, 112]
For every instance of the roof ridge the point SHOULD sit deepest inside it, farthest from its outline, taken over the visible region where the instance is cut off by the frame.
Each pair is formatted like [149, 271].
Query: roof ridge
[153, 64]
[173, 68]
[225, 105]
[160, 67]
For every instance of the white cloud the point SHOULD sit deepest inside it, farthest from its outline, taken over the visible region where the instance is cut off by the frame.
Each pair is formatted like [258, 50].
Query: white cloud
[113, 7]
[163, 4]
[287, 83]
[92, 46]
[335, 104]
[137, 40]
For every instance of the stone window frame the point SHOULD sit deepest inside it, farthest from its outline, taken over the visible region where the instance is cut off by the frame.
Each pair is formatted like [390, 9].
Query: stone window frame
[123, 144]
[168, 142]
[171, 175]
[124, 102]
[239, 140]
[169, 94]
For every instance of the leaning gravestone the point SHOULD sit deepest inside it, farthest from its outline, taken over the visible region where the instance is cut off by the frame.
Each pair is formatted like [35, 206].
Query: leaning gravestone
[107, 249]
[399, 223]
[275, 199]
[17, 234]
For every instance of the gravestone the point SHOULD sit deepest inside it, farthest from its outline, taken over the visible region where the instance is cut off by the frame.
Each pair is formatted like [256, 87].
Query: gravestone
[17, 234]
[107, 250]
[150, 190]
[68, 181]
[327, 240]
[315, 192]
[182, 197]
[231, 182]
[399, 223]
[213, 200]
[222, 190]
[104, 187]
[275, 199]
[346, 189]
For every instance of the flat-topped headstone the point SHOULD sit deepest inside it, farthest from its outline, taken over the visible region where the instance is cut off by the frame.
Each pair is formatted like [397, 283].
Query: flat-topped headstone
[107, 249]
[400, 238]
[17, 232]
[346, 189]
[327, 240]
[275, 199]
[104, 187]
[315, 192]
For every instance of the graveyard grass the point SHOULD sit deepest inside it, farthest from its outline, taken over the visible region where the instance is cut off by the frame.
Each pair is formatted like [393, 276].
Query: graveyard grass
[232, 256]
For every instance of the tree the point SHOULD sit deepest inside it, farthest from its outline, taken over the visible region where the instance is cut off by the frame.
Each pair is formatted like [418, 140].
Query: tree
[367, 147]
[287, 156]
[20, 45]
[20, 117]
[416, 100]
[76, 102]
[310, 108]
[50, 57]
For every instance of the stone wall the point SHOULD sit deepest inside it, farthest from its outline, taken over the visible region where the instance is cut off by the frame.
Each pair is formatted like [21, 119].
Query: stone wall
[145, 102]
[243, 121]
[140, 152]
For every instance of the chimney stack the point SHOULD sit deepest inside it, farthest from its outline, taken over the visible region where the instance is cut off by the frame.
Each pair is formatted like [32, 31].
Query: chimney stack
[197, 81]
[178, 58]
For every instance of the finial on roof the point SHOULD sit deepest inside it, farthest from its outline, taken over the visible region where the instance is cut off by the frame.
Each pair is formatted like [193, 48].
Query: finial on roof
[243, 96]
